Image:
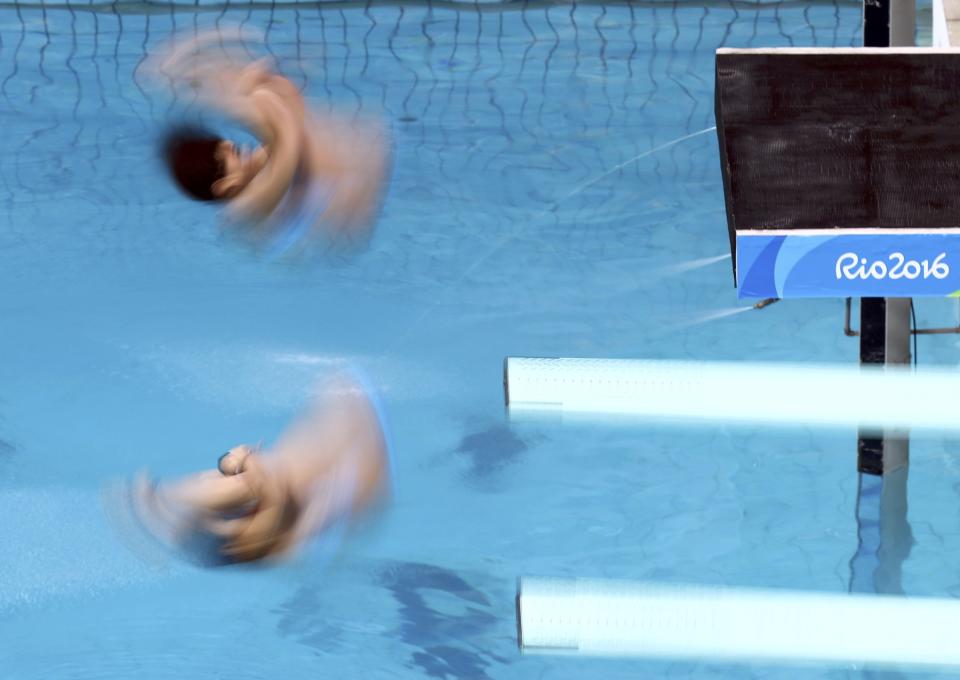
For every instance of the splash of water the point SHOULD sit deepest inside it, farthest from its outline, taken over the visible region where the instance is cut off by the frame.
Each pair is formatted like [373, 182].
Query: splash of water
[690, 265]
[706, 317]
[512, 235]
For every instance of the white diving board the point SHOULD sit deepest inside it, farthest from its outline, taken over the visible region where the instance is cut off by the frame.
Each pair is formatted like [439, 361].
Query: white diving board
[633, 619]
[728, 392]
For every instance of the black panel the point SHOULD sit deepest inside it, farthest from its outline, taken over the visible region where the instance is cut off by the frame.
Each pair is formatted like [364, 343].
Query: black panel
[839, 139]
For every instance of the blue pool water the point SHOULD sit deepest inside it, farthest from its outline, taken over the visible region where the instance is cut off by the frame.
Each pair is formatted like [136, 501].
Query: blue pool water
[556, 192]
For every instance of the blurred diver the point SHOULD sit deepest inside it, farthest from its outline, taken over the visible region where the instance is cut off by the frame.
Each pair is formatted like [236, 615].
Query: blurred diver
[310, 175]
[329, 468]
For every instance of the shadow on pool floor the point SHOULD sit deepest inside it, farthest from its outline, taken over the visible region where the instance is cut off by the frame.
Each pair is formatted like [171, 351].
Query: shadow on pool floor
[490, 451]
[443, 621]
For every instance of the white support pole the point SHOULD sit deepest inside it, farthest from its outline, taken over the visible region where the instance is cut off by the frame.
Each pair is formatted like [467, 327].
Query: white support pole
[941, 34]
[903, 23]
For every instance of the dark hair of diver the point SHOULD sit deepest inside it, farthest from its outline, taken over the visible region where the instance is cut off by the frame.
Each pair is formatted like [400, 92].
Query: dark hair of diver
[220, 464]
[190, 155]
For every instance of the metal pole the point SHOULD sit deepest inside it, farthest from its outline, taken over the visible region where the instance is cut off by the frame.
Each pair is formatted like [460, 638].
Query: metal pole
[885, 322]
[884, 536]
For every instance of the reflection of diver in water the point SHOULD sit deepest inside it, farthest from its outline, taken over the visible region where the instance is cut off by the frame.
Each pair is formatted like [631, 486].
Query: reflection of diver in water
[326, 469]
[311, 174]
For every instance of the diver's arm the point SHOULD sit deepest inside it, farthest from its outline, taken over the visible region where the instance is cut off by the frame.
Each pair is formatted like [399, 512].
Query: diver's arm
[288, 92]
[209, 64]
[277, 127]
[210, 492]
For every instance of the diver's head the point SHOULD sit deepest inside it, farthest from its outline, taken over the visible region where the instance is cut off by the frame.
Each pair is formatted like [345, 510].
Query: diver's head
[234, 460]
[207, 167]
[193, 158]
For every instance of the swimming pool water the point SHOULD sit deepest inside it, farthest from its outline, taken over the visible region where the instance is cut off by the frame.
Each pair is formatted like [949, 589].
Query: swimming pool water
[556, 192]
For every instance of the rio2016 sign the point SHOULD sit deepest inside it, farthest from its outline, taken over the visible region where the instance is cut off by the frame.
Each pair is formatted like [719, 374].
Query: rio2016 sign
[850, 266]
[832, 263]
[837, 168]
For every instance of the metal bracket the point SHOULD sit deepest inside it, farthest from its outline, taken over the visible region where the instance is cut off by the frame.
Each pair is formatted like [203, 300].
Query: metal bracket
[766, 303]
[850, 332]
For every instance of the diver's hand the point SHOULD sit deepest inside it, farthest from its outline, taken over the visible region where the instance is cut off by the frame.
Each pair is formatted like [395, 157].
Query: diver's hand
[212, 65]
